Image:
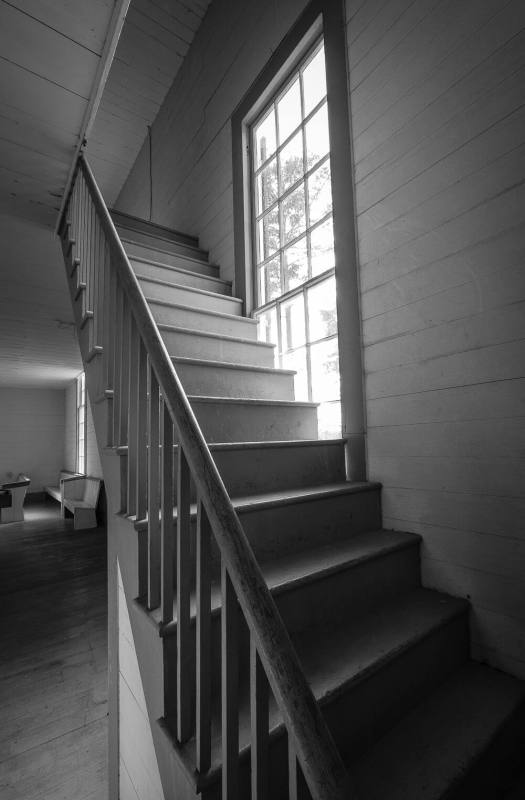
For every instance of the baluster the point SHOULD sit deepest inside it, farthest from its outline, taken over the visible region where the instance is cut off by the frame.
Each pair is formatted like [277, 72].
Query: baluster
[202, 637]
[154, 553]
[297, 788]
[99, 283]
[81, 233]
[183, 600]
[229, 688]
[259, 724]
[124, 372]
[87, 263]
[142, 440]
[117, 361]
[90, 279]
[108, 316]
[132, 418]
[167, 504]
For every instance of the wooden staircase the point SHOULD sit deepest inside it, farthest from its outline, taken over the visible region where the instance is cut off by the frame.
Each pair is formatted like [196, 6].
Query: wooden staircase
[386, 660]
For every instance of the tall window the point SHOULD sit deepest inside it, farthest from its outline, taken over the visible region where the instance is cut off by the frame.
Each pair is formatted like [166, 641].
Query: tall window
[293, 237]
[81, 423]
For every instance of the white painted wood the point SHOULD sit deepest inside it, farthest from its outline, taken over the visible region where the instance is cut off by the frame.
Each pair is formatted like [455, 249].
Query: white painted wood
[31, 435]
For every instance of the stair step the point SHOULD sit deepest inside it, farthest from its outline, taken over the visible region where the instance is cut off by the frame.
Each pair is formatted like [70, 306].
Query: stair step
[223, 379]
[154, 259]
[311, 517]
[441, 748]
[135, 227]
[200, 298]
[184, 316]
[227, 419]
[190, 343]
[159, 289]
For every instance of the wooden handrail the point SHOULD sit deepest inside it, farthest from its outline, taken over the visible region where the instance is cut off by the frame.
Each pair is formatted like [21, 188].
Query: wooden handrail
[310, 738]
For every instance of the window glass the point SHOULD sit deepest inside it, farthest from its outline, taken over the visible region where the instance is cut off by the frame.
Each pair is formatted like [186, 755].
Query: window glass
[293, 210]
[320, 192]
[317, 138]
[265, 138]
[293, 333]
[322, 247]
[296, 264]
[291, 161]
[322, 314]
[266, 193]
[289, 111]
[314, 81]
[325, 370]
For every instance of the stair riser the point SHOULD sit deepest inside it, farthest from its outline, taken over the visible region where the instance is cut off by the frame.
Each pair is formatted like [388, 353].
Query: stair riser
[148, 240]
[310, 523]
[351, 592]
[193, 345]
[162, 256]
[185, 295]
[163, 291]
[257, 470]
[213, 381]
[247, 423]
[201, 320]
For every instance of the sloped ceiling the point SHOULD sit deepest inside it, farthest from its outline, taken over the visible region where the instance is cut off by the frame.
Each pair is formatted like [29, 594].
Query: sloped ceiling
[49, 55]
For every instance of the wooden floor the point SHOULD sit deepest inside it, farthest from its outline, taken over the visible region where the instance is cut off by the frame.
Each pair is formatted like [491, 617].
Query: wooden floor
[53, 659]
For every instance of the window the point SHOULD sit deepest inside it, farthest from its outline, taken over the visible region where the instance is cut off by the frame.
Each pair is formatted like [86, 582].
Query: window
[293, 236]
[81, 423]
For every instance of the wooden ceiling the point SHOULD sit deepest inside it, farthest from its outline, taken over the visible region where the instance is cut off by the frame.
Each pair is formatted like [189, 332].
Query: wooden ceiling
[50, 51]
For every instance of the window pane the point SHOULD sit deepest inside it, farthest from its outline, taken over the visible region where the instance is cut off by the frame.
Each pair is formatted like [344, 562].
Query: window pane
[322, 247]
[314, 81]
[292, 323]
[270, 280]
[267, 327]
[322, 314]
[324, 357]
[268, 235]
[329, 420]
[320, 192]
[81, 415]
[267, 186]
[294, 215]
[317, 137]
[295, 264]
[296, 360]
[289, 111]
[291, 161]
[265, 140]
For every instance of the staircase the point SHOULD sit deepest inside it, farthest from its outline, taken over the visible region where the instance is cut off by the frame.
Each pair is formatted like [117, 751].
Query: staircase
[386, 660]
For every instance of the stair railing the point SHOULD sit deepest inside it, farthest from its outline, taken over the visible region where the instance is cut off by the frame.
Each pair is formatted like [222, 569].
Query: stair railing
[147, 405]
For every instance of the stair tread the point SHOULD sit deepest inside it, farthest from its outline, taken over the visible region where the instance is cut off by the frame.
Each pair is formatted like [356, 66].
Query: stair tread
[165, 326]
[338, 658]
[436, 743]
[205, 311]
[153, 229]
[251, 401]
[162, 282]
[230, 365]
[163, 252]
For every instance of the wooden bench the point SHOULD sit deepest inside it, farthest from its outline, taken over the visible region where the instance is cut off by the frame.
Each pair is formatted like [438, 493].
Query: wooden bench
[56, 491]
[12, 499]
[80, 497]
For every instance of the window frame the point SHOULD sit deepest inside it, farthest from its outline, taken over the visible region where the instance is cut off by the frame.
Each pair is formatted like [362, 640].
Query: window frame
[327, 19]
[81, 449]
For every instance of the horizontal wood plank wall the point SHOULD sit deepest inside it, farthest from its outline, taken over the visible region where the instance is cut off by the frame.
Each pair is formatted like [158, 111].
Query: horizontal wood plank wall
[31, 435]
[191, 137]
[438, 119]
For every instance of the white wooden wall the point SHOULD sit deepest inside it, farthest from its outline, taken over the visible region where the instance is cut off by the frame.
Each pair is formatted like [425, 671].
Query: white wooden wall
[31, 435]
[139, 777]
[437, 95]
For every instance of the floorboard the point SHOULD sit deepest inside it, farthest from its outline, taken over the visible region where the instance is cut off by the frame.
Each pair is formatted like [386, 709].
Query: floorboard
[53, 659]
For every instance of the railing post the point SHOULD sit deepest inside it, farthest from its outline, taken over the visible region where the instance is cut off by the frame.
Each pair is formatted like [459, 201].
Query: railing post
[167, 504]
[259, 725]
[229, 688]
[183, 601]
[202, 639]
[154, 549]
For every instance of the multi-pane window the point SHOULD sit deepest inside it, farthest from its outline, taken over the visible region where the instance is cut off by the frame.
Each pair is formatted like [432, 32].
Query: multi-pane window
[81, 423]
[293, 237]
